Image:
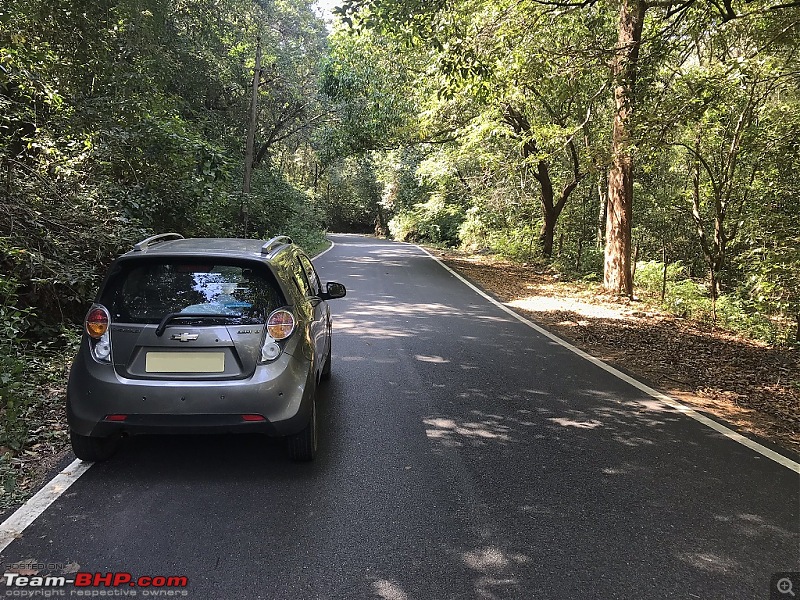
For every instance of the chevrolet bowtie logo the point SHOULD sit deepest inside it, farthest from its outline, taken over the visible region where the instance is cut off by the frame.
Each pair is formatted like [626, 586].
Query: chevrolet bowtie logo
[185, 337]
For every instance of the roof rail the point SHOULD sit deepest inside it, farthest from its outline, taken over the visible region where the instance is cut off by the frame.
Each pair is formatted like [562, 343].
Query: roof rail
[154, 239]
[279, 240]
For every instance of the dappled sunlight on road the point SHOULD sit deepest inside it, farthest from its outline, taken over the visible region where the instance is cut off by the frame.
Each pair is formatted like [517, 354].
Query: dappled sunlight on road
[451, 432]
[579, 424]
[388, 590]
[356, 359]
[431, 359]
[491, 559]
[369, 329]
[629, 423]
[496, 569]
[753, 526]
[491, 573]
[368, 260]
[712, 562]
[551, 471]
[392, 251]
[386, 317]
[406, 309]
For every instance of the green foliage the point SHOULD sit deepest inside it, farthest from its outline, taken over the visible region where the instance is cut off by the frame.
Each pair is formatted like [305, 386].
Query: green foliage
[584, 262]
[31, 409]
[650, 275]
[737, 314]
[350, 195]
[684, 297]
[27, 371]
[515, 243]
[13, 323]
[433, 221]
[371, 110]
[474, 231]
[119, 120]
[690, 299]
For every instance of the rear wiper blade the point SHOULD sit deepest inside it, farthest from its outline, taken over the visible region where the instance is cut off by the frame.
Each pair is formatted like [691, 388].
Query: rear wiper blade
[162, 326]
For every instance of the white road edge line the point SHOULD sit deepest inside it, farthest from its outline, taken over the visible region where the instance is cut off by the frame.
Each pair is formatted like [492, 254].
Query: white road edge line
[326, 250]
[26, 514]
[671, 402]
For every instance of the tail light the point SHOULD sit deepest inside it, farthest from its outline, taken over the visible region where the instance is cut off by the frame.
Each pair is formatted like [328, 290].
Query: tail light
[96, 324]
[280, 325]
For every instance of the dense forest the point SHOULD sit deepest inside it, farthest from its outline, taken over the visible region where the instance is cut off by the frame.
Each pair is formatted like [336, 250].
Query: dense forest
[649, 147]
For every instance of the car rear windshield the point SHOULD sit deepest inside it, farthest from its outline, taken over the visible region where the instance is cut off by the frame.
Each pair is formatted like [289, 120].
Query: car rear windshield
[146, 292]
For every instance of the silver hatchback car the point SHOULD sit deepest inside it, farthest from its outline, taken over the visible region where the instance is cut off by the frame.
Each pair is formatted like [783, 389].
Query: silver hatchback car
[203, 336]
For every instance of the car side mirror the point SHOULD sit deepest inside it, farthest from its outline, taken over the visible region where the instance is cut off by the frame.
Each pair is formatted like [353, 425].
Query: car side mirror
[334, 290]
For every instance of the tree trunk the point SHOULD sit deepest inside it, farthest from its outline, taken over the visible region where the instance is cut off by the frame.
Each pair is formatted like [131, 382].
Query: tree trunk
[251, 127]
[250, 146]
[617, 272]
[546, 235]
[381, 229]
[602, 213]
[549, 215]
[714, 295]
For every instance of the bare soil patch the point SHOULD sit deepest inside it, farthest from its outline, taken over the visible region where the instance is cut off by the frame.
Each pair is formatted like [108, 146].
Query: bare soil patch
[751, 385]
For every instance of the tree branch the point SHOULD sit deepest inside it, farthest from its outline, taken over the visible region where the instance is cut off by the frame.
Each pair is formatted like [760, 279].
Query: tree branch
[705, 164]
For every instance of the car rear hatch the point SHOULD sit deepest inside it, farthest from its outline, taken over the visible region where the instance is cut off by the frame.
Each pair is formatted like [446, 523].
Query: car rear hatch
[189, 319]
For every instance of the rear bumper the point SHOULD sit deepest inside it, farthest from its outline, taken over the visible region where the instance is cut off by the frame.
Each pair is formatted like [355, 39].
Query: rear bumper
[282, 392]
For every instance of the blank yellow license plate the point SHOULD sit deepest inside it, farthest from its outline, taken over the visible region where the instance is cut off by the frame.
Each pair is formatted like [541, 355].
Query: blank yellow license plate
[185, 362]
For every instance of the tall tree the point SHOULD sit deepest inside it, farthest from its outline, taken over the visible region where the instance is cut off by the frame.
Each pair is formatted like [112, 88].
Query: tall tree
[617, 274]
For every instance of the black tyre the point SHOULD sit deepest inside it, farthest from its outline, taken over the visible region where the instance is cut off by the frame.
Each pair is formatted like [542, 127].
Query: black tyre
[302, 446]
[326, 370]
[93, 449]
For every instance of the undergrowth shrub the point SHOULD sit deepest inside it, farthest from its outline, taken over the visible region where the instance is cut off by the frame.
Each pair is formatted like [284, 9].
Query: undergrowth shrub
[433, 221]
[516, 244]
[688, 298]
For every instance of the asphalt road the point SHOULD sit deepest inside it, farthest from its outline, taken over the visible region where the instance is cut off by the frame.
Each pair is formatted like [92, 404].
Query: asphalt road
[463, 455]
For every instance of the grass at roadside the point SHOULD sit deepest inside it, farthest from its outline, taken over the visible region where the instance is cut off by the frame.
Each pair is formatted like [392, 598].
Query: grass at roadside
[750, 384]
[313, 249]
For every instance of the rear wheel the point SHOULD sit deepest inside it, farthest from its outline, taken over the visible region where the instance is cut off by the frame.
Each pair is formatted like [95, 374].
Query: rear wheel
[302, 446]
[93, 449]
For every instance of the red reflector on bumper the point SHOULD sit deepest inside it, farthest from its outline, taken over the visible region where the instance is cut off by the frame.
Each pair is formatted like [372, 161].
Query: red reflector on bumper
[253, 418]
[116, 417]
